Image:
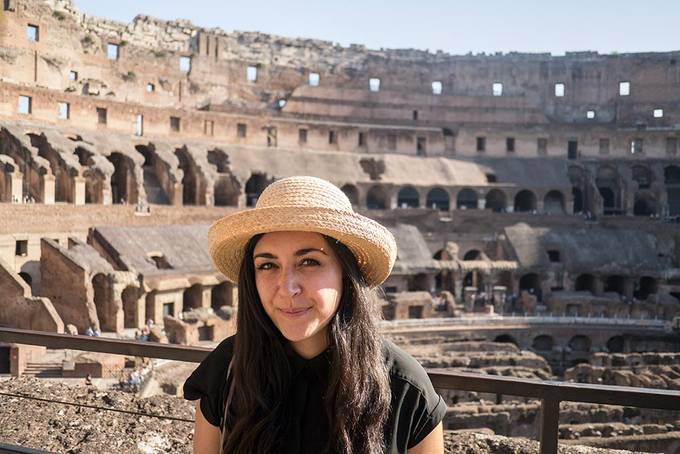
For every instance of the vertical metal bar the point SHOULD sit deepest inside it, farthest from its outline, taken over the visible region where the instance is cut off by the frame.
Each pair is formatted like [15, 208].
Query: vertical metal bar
[550, 415]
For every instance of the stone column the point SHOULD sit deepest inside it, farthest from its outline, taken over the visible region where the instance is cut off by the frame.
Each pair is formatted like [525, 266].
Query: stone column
[47, 183]
[79, 191]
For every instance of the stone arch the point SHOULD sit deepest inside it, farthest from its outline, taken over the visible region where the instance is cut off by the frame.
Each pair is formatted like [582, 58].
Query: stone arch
[254, 187]
[553, 202]
[496, 201]
[193, 182]
[438, 199]
[103, 301]
[580, 343]
[472, 254]
[63, 174]
[408, 197]
[6, 182]
[525, 201]
[157, 182]
[530, 282]
[543, 343]
[192, 297]
[672, 181]
[642, 175]
[608, 182]
[646, 286]
[123, 184]
[222, 295]
[376, 198]
[220, 160]
[585, 282]
[131, 315]
[466, 199]
[352, 193]
[227, 190]
[645, 205]
[506, 339]
[615, 344]
[615, 283]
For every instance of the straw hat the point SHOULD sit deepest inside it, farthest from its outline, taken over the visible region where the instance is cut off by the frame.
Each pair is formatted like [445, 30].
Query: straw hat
[305, 204]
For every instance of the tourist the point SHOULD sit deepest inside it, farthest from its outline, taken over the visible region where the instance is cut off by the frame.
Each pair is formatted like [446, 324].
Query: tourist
[307, 370]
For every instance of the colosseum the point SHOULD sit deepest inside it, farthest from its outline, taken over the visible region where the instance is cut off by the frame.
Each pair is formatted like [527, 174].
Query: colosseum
[535, 200]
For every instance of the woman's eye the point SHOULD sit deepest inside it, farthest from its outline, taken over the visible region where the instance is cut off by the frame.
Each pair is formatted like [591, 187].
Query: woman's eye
[265, 266]
[309, 262]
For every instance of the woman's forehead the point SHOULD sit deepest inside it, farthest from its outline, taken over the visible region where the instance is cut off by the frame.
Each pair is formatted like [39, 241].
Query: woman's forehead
[289, 241]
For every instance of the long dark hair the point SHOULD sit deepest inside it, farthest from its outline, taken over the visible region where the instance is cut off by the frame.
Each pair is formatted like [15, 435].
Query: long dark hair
[358, 397]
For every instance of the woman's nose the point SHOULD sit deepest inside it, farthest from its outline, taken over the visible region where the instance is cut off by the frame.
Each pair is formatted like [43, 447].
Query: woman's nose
[290, 282]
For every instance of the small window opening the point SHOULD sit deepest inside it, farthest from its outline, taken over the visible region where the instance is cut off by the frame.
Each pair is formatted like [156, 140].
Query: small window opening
[314, 79]
[64, 111]
[604, 146]
[553, 256]
[624, 88]
[421, 145]
[481, 144]
[21, 248]
[251, 73]
[73, 75]
[209, 127]
[33, 33]
[559, 90]
[332, 137]
[374, 84]
[572, 149]
[241, 130]
[658, 113]
[415, 114]
[437, 87]
[497, 89]
[185, 64]
[362, 139]
[302, 136]
[175, 124]
[491, 178]
[25, 105]
[112, 51]
[272, 136]
[510, 144]
[590, 114]
[282, 103]
[636, 146]
[139, 125]
[101, 115]
[168, 309]
[160, 261]
[150, 88]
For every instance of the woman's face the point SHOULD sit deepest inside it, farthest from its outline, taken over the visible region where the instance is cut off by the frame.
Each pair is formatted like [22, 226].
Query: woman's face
[299, 280]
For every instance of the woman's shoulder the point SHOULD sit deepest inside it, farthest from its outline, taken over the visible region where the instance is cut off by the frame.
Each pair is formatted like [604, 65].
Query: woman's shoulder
[404, 367]
[209, 376]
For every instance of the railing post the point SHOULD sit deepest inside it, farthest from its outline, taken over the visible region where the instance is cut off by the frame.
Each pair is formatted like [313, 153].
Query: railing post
[550, 415]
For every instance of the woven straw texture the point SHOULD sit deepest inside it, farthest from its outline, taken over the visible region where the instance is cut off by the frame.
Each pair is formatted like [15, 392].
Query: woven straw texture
[306, 204]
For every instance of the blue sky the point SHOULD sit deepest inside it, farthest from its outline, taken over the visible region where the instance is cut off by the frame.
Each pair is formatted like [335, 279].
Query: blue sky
[453, 26]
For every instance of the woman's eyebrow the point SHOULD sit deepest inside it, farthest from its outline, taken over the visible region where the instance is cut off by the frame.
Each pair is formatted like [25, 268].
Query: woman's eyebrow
[308, 250]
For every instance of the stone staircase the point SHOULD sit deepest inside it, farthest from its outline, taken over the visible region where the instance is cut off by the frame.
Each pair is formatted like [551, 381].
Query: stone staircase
[43, 370]
[154, 192]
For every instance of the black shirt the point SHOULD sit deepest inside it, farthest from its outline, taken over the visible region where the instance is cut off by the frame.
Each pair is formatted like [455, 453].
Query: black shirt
[415, 409]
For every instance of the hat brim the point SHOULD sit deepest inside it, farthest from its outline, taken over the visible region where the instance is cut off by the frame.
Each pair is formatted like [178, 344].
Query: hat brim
[371, 243]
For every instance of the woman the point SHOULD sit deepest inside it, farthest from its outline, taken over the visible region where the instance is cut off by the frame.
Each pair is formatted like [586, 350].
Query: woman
[307, 371]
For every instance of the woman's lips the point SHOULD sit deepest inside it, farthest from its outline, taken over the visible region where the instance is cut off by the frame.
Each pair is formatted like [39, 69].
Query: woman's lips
[294, 313]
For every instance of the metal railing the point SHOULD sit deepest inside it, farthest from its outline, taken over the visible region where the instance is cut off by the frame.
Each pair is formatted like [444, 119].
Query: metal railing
[551, 393]
[497, 320]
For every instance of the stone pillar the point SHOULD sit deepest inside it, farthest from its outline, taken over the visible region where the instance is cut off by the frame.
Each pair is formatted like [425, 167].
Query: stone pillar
[79, 191]
[107, 198]
[481, 202]
[628, 287]
[48, 189]
[176, 196]
[206, 296]
[16, 186]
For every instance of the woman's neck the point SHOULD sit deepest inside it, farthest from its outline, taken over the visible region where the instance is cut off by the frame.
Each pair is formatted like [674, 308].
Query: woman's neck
[312, 346]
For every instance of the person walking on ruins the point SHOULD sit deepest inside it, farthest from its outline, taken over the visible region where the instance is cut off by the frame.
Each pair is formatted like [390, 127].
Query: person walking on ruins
[308, 370]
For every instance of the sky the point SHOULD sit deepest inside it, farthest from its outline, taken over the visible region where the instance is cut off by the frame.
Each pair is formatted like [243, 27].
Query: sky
[454, 26]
